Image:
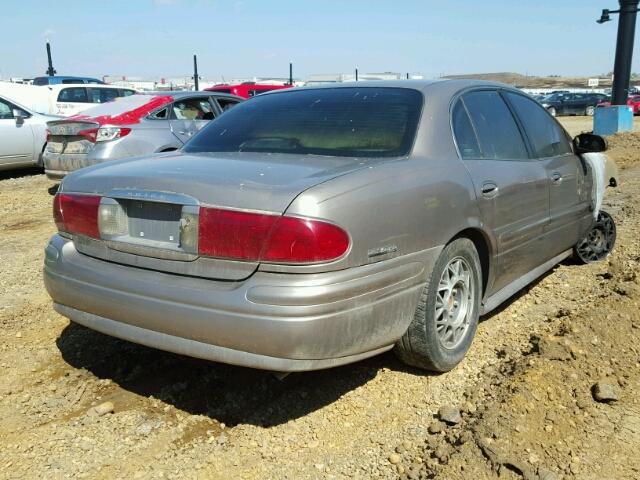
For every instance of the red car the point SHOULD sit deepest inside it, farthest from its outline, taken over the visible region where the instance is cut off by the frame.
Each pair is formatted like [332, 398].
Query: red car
[246, 90]
[633, 101]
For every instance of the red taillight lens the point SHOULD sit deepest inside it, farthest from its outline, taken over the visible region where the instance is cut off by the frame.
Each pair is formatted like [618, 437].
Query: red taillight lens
[90, 134]
[268, 238]
[303, 240]
[77, 214]
[233, 234]
[48, 135]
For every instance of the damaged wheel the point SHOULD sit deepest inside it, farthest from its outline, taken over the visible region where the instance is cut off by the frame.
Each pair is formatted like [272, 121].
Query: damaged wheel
[599, 241]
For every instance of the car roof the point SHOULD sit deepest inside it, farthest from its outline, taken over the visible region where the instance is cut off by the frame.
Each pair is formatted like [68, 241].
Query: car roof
[178, 94]
[439, 86]
[60, 86]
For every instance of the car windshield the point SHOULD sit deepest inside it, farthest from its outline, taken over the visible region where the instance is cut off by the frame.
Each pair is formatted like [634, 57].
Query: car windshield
[346, 122]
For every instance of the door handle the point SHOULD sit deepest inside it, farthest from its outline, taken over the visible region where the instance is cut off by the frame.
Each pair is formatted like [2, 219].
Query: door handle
[556, 178]
[185, 133]
[489, 189]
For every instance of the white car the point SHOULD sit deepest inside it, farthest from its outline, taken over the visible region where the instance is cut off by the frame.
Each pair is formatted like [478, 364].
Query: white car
[65, 99]
[22, 135]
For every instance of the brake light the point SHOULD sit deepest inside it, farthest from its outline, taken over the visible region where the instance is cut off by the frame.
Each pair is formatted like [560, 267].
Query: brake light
[77, 214]
[303, 240]
[89, 134]
[104, 134]
[268, 238]
[48, 132]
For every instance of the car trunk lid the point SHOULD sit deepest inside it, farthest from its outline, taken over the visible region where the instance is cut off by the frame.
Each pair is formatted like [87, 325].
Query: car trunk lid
[159, 196]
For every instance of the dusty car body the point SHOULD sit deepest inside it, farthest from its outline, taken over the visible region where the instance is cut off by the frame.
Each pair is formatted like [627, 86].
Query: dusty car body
[22, 135]
[129, 126]
[315, 227]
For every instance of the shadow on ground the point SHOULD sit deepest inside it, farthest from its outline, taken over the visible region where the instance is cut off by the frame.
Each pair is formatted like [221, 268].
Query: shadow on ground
[19, 173]
[229, 394]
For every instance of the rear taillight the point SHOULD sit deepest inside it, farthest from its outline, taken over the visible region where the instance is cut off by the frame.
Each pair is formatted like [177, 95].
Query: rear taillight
[77, 214]
[303, 240]
[215, 232]
[104, 134]
[262, 237]
[48, 133]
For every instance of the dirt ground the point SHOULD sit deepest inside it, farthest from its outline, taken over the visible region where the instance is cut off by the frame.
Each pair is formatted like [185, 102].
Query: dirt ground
[525, 392]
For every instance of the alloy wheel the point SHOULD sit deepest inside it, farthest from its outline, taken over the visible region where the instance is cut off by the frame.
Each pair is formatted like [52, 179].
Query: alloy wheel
[599, 241]
[454, 303]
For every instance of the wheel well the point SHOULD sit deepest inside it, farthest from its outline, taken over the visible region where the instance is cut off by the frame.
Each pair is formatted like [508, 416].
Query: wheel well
[482, 246]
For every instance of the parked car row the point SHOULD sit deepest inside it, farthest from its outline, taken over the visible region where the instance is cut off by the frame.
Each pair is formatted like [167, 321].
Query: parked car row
[313, 227]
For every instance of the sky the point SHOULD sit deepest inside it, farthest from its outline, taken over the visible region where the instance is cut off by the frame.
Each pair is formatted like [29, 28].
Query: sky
[245, 38]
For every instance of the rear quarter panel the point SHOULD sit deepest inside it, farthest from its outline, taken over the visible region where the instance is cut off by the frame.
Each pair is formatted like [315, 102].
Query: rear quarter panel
[406, 205]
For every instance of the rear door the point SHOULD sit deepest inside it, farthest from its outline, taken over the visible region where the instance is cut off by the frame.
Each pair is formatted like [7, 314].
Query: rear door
[16, 139]
[569, 198]
[512, 190]
[189, 115]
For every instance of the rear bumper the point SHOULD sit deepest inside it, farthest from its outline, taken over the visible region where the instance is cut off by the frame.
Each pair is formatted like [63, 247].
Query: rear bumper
[58, 165]
[281, 322]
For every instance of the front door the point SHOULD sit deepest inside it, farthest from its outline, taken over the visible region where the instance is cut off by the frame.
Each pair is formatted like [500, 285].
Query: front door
[16, 138]
[189, 115]
[512, 190]
[569, 195]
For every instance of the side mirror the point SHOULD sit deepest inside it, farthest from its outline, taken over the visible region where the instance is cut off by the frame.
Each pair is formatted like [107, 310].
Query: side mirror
[589, 143]
[19, 115]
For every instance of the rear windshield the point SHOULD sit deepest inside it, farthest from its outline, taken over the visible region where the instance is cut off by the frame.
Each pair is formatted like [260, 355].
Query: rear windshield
[346, 122]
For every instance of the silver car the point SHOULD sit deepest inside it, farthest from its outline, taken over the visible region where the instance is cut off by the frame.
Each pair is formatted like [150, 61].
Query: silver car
[22, 135]
[130, 126]
[314, 227]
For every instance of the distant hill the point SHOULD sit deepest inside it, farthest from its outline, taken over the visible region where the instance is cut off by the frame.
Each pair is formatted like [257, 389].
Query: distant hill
[525, 81]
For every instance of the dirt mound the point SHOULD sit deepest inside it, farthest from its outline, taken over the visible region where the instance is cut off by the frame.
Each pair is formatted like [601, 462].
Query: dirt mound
[624, 148]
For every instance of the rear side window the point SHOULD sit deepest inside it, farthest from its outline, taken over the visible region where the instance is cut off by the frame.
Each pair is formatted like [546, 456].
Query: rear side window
[497, 131]
[344, 122]
[546, 136]
[126, 93]
[40, 81]
[463, 132]
[226, 103]
[77, 94]
[192, 109]
[103, 95]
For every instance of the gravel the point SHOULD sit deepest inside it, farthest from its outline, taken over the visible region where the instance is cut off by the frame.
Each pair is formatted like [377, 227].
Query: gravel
[524, 399]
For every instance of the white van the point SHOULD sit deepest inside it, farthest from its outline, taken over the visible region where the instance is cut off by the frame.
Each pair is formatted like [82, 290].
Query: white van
[64, 100]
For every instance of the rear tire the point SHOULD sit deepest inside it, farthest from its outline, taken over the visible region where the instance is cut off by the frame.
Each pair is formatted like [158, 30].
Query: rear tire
[590, 110]
[446, 319]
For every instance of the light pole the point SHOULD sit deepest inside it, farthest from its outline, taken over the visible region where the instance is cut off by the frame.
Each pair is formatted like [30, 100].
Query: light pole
[196, 85]
[290, 73]
[618, 117]
[50, 71]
